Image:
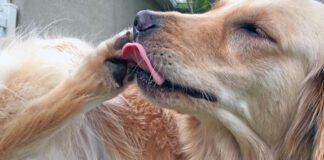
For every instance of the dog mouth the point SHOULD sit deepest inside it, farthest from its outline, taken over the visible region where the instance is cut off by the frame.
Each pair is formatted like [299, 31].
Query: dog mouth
[150, 81]
[147, 84]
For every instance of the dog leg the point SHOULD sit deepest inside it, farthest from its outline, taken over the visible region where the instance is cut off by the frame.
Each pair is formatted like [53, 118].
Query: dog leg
[42, 117]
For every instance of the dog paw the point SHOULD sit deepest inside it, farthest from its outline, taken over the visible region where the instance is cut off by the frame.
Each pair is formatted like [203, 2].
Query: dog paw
[104, 72]
[115, 69]
[111, 48]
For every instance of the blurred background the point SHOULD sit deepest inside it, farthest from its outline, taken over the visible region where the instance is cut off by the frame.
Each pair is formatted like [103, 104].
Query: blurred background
[187, 6]
[93, 20]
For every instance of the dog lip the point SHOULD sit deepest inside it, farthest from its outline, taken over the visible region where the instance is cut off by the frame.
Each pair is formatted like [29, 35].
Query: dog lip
[145, 83]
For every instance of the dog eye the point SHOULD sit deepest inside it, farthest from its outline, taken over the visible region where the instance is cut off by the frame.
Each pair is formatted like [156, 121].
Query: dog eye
[253, 30]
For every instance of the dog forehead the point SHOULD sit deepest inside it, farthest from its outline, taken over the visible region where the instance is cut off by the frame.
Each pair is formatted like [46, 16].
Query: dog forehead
[230, 4]
[240, 2]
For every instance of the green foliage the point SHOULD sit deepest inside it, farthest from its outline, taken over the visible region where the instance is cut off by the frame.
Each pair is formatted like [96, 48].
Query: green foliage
[192, 6]
[199, 6]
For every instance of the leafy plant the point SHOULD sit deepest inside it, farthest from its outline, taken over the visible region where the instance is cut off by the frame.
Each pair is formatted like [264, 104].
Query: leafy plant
[188, 6]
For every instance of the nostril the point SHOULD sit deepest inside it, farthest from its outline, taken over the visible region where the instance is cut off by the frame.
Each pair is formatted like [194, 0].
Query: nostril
[136, 22]
[145, 28]
[145, 20]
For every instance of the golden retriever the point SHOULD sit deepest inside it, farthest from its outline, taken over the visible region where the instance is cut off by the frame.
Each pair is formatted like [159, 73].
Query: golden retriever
[247, 77]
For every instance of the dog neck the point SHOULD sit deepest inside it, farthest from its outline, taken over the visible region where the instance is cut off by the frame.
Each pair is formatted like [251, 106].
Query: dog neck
[207, 138]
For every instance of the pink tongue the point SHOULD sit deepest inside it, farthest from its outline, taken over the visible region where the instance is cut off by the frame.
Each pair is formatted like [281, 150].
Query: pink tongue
[136, 52]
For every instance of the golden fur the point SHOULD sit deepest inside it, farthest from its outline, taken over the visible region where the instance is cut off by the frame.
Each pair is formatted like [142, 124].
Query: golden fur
[46, 88]
[269, 89]
[262, 59]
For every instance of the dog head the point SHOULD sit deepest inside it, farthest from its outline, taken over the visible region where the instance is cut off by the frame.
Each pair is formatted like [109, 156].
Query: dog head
[243, 63]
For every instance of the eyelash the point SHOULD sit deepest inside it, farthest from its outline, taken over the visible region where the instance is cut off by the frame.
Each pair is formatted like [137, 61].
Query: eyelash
[253, 30]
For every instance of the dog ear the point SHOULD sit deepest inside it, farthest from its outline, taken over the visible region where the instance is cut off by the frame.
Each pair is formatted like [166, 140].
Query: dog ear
[319, 139]
[307, 129]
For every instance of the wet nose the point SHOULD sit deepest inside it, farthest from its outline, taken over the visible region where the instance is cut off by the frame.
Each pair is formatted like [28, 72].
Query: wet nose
[144, 21]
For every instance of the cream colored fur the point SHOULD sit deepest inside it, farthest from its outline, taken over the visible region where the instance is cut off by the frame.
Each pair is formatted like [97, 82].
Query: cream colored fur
[262, 59]
[49, 89]
[269, 90]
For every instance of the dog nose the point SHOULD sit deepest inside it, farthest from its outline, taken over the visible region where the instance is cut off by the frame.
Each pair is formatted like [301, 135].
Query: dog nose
[145, 20]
